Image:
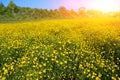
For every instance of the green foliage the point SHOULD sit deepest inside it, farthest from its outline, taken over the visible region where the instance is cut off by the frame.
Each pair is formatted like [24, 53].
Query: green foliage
[13, 13]
[2, 9]
[12, 8]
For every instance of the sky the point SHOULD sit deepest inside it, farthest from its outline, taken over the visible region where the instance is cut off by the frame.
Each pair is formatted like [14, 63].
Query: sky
[55, 4]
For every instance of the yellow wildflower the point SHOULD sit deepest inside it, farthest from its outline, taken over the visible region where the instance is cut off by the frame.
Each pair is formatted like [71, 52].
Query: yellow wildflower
[97, 78]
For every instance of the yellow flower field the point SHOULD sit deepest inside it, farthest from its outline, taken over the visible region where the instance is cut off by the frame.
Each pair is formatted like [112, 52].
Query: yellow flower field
[76, 49]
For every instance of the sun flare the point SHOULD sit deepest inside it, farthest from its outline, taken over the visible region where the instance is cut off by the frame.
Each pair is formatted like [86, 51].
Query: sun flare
[105, 5]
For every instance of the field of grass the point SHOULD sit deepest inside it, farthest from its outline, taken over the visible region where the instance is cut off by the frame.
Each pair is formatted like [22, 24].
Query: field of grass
[85, 49]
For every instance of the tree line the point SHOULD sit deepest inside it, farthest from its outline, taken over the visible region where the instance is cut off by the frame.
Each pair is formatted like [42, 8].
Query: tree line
[14, 12]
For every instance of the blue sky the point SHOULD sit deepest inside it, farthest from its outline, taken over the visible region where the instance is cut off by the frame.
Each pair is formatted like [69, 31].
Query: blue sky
[54, 4]
[46, 4]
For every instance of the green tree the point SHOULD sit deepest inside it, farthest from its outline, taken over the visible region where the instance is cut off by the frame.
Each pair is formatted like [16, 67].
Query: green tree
[35, 13]
[82, 11]
[56, 13]
[12, 8]
[62, 8]
[2, 8]
[73, 13]
[94, 13]
[63, 12]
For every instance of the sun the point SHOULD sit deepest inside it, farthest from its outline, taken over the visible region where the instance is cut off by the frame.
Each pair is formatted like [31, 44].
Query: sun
[105, 5]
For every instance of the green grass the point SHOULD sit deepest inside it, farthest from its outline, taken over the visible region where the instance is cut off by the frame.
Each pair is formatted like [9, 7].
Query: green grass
[85, 49]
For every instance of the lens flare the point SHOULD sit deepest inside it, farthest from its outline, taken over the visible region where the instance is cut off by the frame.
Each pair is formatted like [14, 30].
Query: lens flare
[105, 5]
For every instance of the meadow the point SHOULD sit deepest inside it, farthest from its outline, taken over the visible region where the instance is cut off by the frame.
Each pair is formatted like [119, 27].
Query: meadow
[74, 49]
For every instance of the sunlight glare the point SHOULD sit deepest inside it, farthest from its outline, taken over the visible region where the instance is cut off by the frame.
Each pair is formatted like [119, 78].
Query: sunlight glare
[105, 5]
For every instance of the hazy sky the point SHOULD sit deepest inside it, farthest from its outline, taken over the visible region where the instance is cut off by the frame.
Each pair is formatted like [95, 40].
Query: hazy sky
[55, 4]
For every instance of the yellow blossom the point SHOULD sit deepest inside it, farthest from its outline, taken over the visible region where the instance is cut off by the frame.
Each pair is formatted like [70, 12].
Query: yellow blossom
[3, 78]
[97, 78]
[5, 71]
